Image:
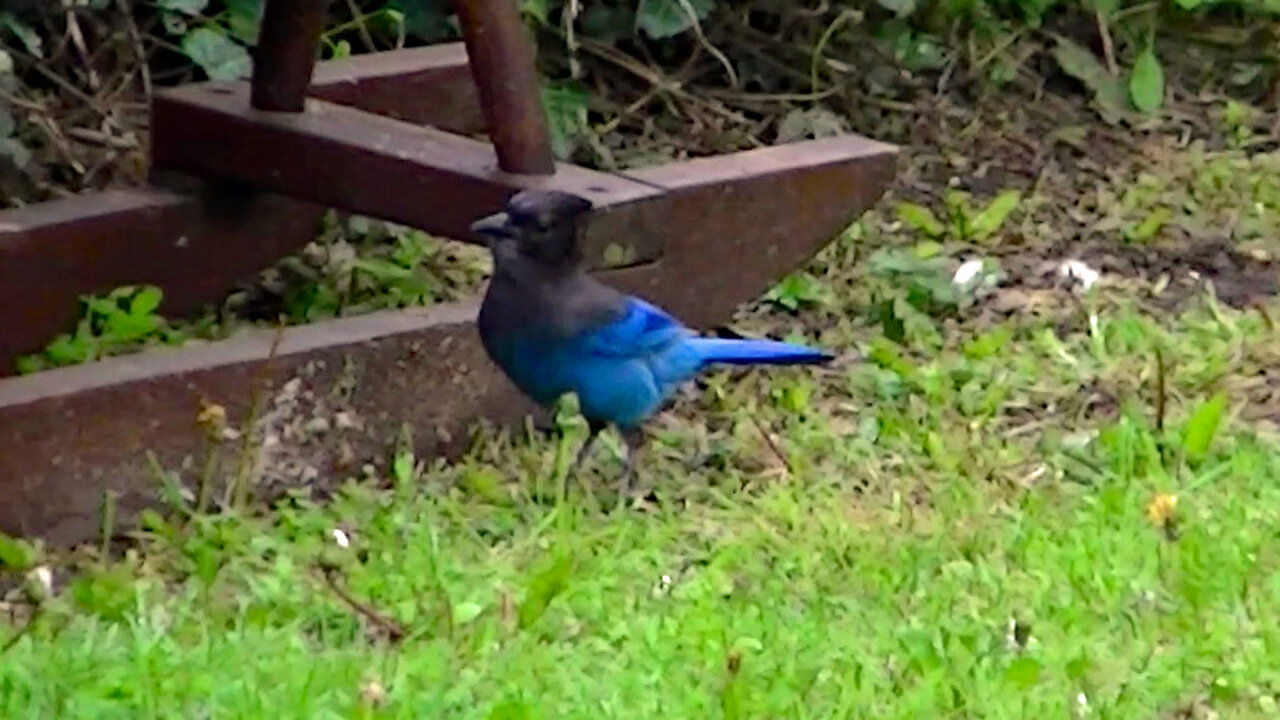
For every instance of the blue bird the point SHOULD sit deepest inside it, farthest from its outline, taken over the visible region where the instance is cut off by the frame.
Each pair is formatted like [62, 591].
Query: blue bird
[553, 329]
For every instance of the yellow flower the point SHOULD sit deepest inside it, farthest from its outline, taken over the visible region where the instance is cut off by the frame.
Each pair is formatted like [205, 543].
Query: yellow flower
[1162, 508]
[212, 417]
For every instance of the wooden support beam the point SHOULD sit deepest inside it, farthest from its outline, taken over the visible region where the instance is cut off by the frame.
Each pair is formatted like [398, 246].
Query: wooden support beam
[372, 165]
[732, 224]
[505, 70]
[288, 42]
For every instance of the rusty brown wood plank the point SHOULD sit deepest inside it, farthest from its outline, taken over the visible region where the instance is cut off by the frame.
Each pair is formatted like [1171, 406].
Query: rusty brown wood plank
[193, 246]
[737, 223]
[430, 85]
[68, 436]
[196, 245]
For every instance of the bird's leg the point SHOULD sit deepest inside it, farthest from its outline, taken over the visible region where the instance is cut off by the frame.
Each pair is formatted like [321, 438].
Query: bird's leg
[593, 431]
[634, 439]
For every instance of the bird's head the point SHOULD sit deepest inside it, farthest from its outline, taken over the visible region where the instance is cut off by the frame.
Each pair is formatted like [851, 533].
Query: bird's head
[541, 225]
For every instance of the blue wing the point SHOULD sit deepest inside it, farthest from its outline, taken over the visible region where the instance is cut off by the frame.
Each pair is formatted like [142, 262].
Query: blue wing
[642, 330]
[623, 370]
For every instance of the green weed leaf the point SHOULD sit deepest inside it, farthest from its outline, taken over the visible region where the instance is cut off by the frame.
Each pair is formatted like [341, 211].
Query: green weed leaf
[72, 349]
[402, 467]
[146, 301]
[937, 450]
[921, 218]
[107, 593]
[218, 55]
[891, 322]
[341, 49]
[487, 484]
[566, 108]
[795, 291]
[1106, 8]
[536, 9]
[383, 270]
[1077, 668]
[426, 20]
[1202, 427]
[895, 263]
[794, 397]
[988, 344]
[1023, 672]
[660, 19]
[1150, 225]
[884, 354]
[243, 20]
[545, 585]
[618, 255]
[26, 35]
[16, 555]
[901, 8]
[987, 222]
[1146, 82]
[608, 23]
[466, 612]
[186, 7]
[1083, 65]
[511, 710]
[28, 364]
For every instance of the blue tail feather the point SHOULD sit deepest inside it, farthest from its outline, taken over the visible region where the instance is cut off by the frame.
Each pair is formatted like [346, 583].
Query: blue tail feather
[755, 352]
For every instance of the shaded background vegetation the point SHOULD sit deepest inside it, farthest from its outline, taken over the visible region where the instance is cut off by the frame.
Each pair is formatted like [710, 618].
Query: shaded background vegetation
[630, 81]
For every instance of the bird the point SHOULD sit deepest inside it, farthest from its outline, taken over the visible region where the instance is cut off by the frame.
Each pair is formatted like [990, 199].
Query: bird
[553, 329]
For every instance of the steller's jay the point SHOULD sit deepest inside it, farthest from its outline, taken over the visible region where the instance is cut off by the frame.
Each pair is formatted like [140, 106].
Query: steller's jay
[553, 329]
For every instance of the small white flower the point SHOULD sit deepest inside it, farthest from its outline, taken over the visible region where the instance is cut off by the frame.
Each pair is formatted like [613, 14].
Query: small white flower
[1078, 272]
[340, 537]
[967, 273]
[1083, 702]
[662, 587]
[43, 578]
[373, 693]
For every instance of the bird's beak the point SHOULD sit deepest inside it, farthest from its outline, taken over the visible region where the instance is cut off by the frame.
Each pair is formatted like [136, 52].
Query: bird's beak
[492, 227]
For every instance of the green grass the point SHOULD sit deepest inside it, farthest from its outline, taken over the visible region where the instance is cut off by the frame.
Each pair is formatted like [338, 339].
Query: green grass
[879, 579]
[973, 522]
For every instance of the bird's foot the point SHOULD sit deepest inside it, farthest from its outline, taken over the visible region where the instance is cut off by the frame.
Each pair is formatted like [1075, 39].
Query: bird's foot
[634, 439]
